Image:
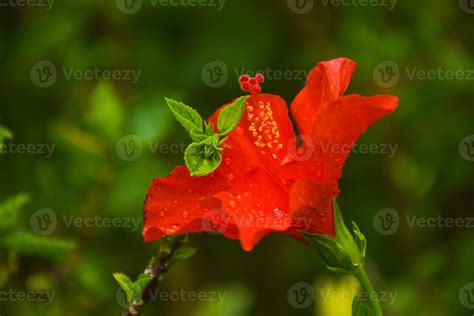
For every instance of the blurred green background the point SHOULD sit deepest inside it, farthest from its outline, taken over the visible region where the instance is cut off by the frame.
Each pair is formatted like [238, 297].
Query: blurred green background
[194, 54]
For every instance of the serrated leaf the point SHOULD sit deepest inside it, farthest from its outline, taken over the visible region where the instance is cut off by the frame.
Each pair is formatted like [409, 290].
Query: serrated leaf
[197, 162]
[361, 309]
[231, 115]
[125, 284]
[5, 134]
[188, 117]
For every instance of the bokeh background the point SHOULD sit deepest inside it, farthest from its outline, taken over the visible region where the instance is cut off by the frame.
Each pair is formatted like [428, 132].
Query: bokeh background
[195, 54]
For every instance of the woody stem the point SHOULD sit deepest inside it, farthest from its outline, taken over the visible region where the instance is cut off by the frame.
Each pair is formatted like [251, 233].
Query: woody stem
[366, 284]
[156, 269]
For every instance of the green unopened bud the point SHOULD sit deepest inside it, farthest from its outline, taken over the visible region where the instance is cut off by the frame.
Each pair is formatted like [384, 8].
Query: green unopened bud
[344, 253]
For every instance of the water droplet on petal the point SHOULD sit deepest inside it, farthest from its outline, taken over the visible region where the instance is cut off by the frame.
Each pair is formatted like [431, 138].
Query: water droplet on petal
[185, 214]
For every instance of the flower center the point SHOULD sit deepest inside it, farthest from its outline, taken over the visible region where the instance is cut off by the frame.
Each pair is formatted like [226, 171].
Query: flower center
[264, 128]
[262, 124]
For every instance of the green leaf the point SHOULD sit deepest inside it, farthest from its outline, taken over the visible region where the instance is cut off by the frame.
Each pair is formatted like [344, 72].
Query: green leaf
[5, 134]
[10, 209]
[188, 117]
[201, 159]
[125, 284]
[230, 116]
[361, 309]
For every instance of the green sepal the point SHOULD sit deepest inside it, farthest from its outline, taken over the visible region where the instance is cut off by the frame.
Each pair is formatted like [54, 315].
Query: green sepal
[231, 115]
[341, 253]
[201, 158]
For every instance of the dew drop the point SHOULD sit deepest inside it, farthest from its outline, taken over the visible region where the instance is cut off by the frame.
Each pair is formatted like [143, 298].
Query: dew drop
[185, 214]
[231, 177]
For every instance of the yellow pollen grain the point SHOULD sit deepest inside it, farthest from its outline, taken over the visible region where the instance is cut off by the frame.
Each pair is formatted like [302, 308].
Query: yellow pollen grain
[263, 127]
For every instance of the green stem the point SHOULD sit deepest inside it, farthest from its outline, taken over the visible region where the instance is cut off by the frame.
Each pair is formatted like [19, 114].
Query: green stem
[364, 280]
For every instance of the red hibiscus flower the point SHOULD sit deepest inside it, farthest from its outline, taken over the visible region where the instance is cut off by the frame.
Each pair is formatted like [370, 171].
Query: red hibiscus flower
[269, 179]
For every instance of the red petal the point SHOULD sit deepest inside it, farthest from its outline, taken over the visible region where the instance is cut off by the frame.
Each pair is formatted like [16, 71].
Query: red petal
[311, 206]
[339, 125]
[264, 132]
[326, 82]
[257, 206]
[238, 200]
